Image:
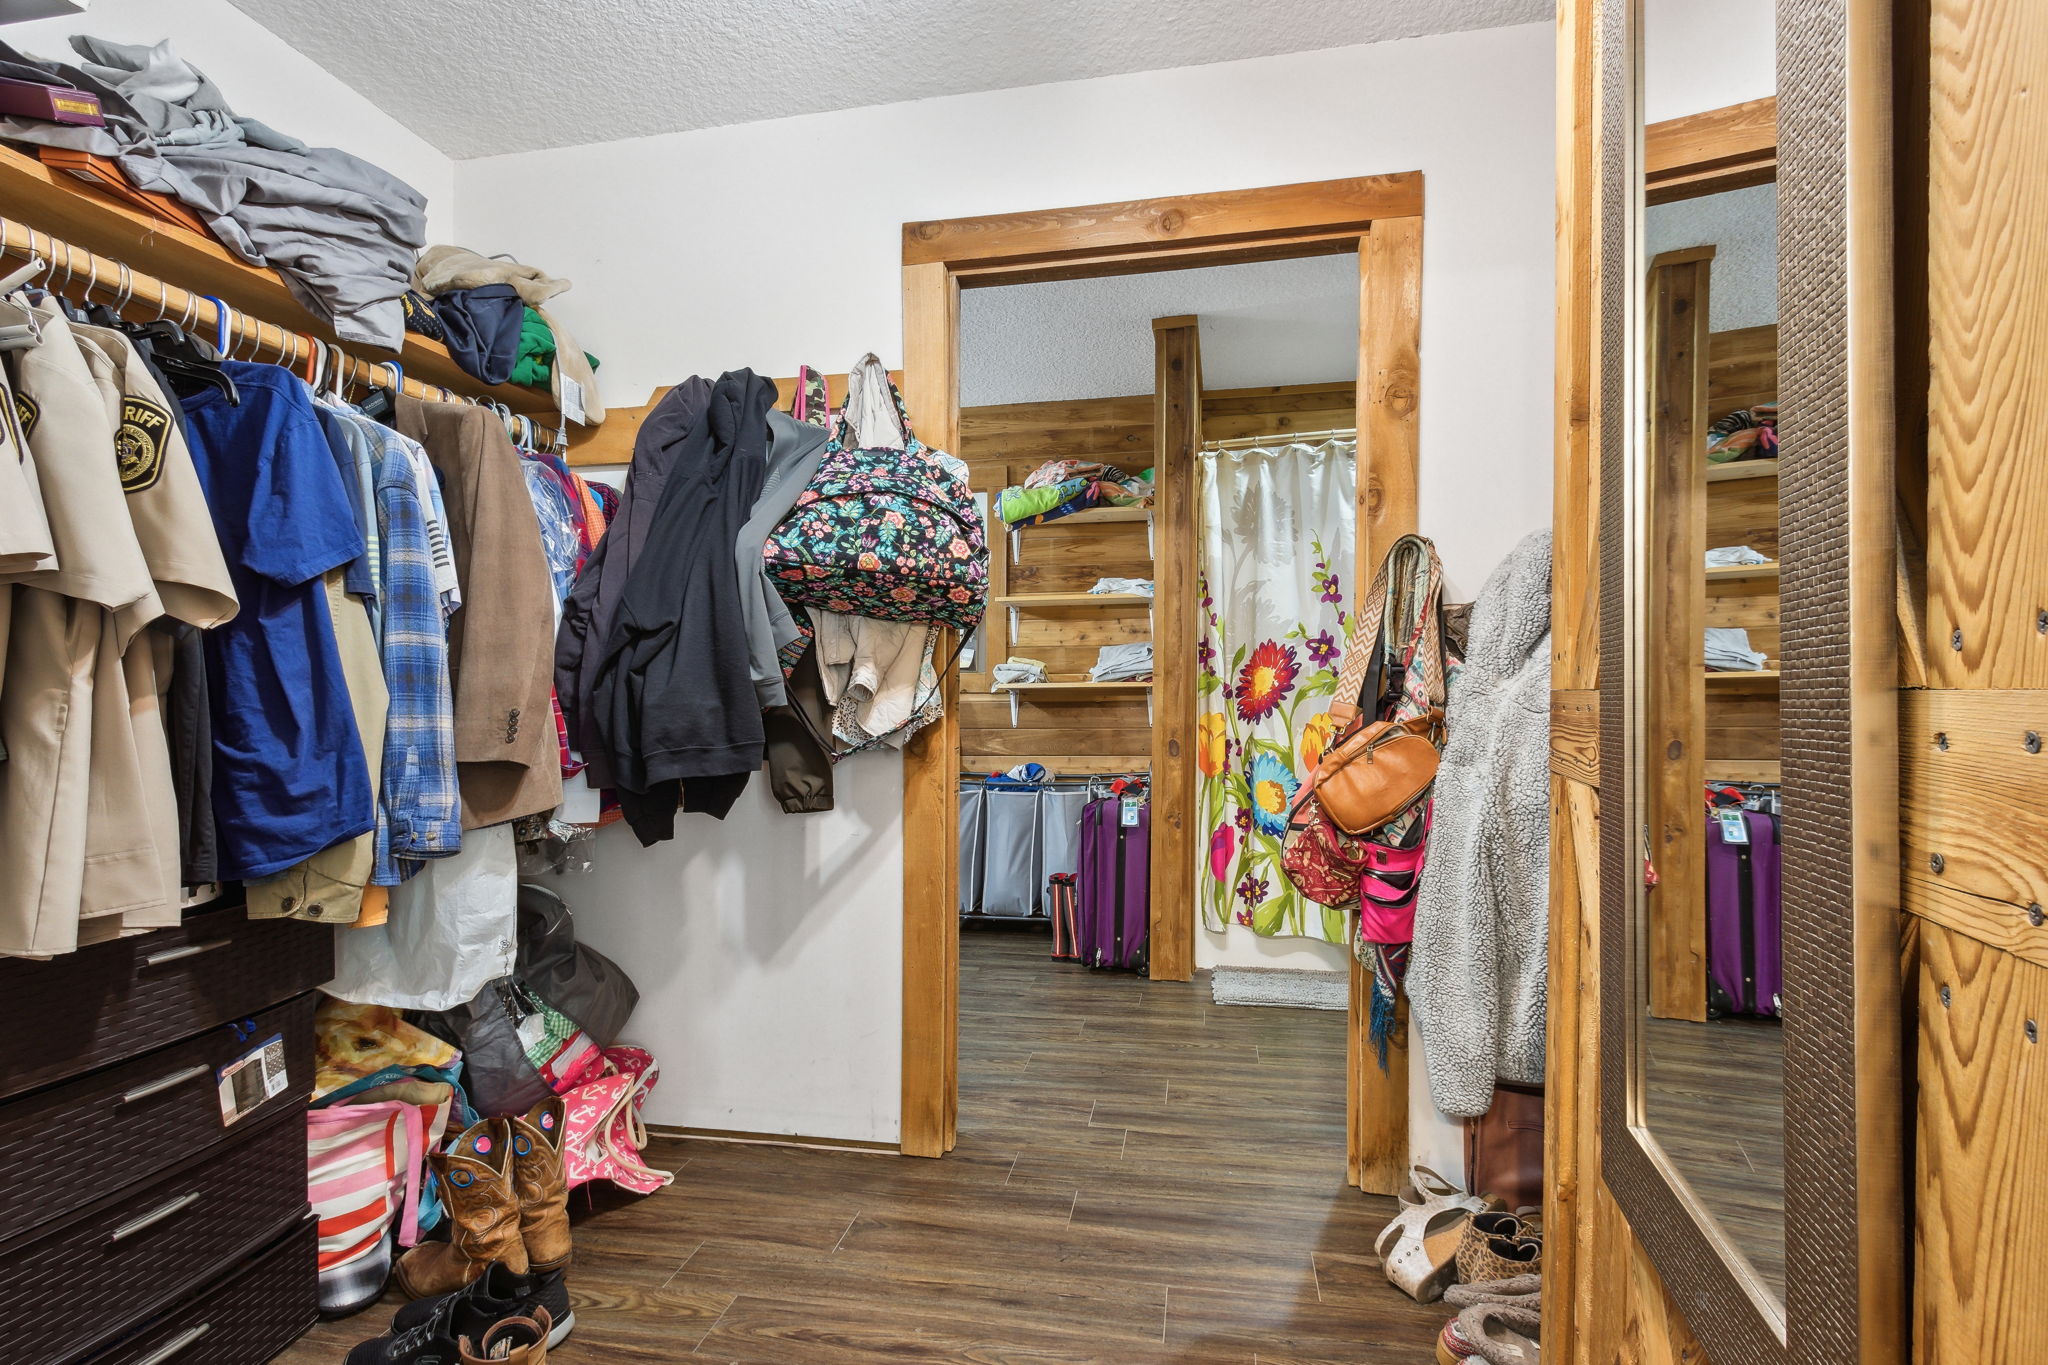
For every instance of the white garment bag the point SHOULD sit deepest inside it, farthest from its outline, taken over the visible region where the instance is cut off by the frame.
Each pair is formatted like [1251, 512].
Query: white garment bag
[453, 927]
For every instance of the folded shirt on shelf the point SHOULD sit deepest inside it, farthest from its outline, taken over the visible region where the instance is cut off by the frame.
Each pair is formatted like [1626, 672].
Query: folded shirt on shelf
[1728, 556]
[1137, 587]
[1122, 663]
[1018, 670]
[1728, 651]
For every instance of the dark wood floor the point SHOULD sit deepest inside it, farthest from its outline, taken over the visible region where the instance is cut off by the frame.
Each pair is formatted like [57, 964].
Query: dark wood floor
[1716, 1102]
[1142, 1176]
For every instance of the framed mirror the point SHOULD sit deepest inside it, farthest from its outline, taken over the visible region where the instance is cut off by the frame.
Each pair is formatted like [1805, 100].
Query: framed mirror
[1749, 1096]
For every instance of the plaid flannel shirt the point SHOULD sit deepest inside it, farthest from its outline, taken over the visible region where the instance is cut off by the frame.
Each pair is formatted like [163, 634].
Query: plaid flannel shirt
[419, 811]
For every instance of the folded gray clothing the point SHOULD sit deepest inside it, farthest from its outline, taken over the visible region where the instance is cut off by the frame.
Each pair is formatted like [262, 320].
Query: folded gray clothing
[1135, 586]
[1018, 671]
[1728, 650]
[1121, 663]
[341, 232]
[1730, 555]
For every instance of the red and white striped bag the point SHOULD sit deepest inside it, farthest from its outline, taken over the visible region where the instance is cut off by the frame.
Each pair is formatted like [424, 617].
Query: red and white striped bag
[365, 1164]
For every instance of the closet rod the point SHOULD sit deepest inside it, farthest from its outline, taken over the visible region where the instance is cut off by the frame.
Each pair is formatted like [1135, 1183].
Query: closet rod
[1290, 438]
[132, 288]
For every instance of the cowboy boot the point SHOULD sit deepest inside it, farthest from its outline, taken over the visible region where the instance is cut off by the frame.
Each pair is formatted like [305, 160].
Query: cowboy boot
[483, 1213]
[542, 1185]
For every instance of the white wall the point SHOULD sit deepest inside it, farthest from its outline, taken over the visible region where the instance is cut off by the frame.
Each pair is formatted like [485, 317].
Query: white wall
[262, 79]
[1264, 323]
[774, 244]
[1707, 54]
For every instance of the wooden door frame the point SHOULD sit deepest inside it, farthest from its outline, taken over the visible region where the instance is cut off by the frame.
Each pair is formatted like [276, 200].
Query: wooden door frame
[1379, 217]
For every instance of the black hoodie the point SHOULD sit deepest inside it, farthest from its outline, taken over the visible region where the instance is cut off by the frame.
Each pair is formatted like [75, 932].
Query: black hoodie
[672, 704]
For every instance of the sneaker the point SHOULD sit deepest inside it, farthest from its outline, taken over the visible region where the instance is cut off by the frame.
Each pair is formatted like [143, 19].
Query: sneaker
[472, 1311]
[426, 1343]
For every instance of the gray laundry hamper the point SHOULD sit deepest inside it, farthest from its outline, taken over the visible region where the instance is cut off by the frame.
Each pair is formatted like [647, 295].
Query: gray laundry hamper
[972, 800]
[1011, 884]
[1059, 831]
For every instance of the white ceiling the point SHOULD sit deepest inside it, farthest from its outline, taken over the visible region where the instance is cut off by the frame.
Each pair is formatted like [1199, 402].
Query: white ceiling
[518, 75]
[1273, 322]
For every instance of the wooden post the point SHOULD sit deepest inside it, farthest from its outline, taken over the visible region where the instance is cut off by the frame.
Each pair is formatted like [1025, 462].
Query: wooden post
[1389, 386]
[1674, 667]
[931, 855]
[1177, 409]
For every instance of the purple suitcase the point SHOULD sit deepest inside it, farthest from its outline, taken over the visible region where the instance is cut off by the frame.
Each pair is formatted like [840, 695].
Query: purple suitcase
[1745, 919]
[1113, 916]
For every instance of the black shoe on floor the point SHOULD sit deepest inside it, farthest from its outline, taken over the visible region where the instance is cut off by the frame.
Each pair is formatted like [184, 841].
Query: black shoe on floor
[493, 1296]
[426, 1343]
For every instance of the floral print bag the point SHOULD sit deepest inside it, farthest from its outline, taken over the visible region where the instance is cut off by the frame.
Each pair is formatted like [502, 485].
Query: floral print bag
[886, 532]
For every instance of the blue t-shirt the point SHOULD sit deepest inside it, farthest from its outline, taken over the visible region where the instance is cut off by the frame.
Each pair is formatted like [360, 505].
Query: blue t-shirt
[288, 772]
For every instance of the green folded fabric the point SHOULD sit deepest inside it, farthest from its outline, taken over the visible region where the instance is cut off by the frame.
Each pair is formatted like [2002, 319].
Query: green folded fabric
[536, 364]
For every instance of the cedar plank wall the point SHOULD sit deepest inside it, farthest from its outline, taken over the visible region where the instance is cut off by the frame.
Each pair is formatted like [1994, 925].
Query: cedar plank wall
[1603, 1301]
[1975, 843]
[1001, 445]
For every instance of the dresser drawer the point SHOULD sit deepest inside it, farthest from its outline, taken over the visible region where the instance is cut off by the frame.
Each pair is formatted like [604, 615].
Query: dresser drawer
[117, 1000]
[75, 1284]
[82, 1140]
[260, 1308]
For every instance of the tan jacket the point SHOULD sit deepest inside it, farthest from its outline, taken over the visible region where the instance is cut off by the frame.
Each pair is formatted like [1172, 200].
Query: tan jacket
[501, 644]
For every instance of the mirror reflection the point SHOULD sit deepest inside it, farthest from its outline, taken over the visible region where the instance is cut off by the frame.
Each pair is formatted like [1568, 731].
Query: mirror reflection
[1712, 1048]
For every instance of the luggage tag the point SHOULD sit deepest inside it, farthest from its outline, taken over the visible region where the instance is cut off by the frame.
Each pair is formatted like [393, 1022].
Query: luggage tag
[1734, 825]
[1131, 806]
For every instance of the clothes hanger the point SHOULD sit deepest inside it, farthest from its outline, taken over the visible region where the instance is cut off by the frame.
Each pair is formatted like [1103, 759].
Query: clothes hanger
[186, 360]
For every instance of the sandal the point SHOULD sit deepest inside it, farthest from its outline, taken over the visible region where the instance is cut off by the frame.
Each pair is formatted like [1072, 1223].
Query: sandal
[1419, 1250]
[1500, 1334]
[1523, 1291]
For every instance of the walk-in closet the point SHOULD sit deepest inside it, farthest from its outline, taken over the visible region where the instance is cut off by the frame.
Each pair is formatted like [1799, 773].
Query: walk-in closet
[1271, 683]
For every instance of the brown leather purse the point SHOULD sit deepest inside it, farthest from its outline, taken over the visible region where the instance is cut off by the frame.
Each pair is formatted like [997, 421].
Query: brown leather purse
[1379, 768]
[1373, 773]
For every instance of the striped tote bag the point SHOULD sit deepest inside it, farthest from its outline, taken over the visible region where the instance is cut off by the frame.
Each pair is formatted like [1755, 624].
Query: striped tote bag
[365, 1168]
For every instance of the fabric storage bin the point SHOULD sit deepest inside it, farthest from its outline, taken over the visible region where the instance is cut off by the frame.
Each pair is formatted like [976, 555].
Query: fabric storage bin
[253, 1313]
[1059, 831]
[972, 800]
[1011, 883]
[142, 1117]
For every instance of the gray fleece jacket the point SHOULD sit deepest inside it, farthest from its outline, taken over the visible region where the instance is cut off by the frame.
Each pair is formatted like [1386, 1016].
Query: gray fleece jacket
[1476, 977]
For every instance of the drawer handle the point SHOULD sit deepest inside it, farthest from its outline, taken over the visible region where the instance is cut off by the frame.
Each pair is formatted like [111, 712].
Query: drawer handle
[154, 1216]
[173, 1348]
[180, 954]
[163, 1083]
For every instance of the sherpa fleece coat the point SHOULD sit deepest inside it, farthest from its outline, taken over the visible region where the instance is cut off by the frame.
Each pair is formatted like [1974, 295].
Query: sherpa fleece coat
[1476, 973]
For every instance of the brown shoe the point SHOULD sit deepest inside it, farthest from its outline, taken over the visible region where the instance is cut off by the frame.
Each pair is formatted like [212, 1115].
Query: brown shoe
[513, 1341]
[1498, 1246]
[543, 1188]
[483, 1212]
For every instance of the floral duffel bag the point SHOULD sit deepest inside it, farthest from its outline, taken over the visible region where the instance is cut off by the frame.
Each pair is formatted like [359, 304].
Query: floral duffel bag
[887, 529]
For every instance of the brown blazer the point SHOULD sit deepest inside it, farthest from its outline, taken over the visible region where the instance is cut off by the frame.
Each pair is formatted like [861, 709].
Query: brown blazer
[501, 642]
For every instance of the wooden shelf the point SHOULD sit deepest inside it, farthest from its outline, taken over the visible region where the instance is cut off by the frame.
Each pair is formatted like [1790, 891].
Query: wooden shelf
[1094, 516]
[1074, 687]
[44, 200]
[1732, 573]
[1743, 770]
[1742, 469]
[1029, 600]
[1735, 678]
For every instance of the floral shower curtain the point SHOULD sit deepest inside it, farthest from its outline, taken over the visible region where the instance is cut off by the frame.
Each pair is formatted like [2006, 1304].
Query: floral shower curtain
[1277, 545]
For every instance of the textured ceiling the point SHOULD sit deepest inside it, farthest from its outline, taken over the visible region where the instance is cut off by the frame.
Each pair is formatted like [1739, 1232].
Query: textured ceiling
[478, 80]
[1276, 322]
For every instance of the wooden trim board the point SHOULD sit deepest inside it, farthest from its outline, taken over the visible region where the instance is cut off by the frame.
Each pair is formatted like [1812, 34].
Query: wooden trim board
[1177, 435]
[1277, 223]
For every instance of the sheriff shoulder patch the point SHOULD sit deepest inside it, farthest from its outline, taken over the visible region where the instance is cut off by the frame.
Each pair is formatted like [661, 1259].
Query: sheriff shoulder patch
[139, 444]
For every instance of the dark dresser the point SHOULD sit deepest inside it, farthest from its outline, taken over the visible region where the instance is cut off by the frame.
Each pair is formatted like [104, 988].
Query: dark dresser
[138, 1226]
